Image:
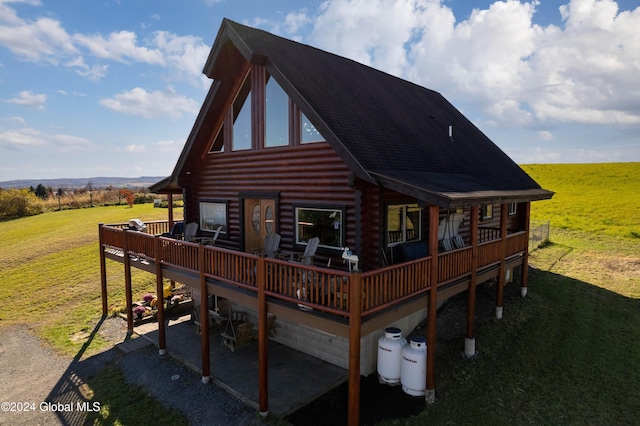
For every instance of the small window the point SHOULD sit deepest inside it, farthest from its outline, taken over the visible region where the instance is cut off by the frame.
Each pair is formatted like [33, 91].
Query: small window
[487, 211]
[218, 142]
[513, 209]
[213, 215]
[404, 223]
[308, 132]
[324, 223]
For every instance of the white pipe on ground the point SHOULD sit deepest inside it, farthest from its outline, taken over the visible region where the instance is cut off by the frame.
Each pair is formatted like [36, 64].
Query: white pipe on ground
[498, 312]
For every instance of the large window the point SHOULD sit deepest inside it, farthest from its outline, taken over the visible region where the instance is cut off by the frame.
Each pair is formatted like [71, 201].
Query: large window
[212, 215]
[324, 223]
[404, 223]
[277, 115]
[242, 117]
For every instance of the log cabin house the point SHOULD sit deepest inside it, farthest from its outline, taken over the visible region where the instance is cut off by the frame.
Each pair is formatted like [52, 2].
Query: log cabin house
[304, 143]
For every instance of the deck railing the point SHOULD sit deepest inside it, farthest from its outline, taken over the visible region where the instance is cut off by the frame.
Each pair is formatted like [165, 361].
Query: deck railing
[309, 287]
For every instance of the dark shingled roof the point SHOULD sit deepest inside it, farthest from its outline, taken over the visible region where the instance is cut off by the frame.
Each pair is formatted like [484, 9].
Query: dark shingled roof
[388, 130]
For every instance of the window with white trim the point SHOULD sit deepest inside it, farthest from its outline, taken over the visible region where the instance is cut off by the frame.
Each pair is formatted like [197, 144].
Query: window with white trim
[213, 215]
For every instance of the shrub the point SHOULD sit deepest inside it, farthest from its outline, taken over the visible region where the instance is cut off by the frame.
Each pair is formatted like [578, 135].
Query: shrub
[19, 203]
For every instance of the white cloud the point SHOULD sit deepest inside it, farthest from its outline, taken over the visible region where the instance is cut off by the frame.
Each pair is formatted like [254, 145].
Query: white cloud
[545, 135]
[498, 60]
[135, 148]
[42, 39]
[169, 146]
[46, 40]
[28, 137]
[119, 46]
[30, 99]
[157, 104]
[93, 73]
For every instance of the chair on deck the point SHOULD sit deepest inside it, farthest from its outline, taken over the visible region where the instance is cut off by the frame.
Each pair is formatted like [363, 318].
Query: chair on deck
[177, 232]
[190, 231]
[306, 258]
[271, 245]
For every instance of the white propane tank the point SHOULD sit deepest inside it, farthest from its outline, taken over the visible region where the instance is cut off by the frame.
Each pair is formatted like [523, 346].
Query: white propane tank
[413, 368]
[389, 355]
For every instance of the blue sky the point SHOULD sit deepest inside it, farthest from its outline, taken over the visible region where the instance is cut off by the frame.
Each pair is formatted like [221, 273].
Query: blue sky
[112, 88]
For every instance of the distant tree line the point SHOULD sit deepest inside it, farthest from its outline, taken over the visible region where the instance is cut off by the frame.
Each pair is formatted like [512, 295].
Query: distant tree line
[16, 203]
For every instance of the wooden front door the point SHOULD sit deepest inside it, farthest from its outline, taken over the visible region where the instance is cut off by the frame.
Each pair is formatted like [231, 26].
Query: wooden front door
[259, 220]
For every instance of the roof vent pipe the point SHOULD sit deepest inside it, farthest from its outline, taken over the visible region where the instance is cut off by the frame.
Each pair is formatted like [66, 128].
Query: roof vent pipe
[451, 132]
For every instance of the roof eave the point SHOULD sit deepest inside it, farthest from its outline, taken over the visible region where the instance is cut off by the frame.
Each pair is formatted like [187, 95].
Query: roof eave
[451, 200]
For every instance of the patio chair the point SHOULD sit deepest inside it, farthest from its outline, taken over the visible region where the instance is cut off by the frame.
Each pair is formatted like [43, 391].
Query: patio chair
[190, 231]
[306, 258]
[271, 245]
[206, 239]
[177, 232]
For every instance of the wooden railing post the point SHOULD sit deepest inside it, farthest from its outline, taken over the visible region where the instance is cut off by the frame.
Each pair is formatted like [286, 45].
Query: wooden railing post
[127, 281]
[103, 271]
[204, 317]
[263, 358]
[430, 394]
[355, 323]
[470, 341]
[162, 344]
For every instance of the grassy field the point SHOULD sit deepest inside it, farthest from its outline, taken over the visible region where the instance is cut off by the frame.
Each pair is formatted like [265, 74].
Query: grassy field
[568, 353]
[594, 198]
[50, 272]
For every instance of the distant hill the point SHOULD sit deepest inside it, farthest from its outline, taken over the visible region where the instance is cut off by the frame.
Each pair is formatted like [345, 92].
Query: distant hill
[96, 182]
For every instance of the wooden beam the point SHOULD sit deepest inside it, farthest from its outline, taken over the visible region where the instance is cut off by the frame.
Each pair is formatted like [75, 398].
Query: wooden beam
[355, 319]
[127, 282]
[524, 278]
[263, 341]
[204, 317]
[162, 342]
[471, 301]
[504, 211]
[103, 272]
[430, 394]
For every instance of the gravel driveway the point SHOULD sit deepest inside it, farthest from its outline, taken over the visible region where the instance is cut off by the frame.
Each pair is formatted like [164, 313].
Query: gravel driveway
[32, 378]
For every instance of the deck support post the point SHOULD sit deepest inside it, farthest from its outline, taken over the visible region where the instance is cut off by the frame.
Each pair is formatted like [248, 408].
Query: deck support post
[524, 277]
[355, 324]
[127, 281]
[103, 272]
[263, 340]
[504, 209]
[430, 394]
[470, 341]
[204, 318]
[162, 343]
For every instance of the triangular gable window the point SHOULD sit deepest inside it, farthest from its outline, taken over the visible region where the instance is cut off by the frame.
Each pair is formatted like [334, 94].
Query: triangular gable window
[308, 132]
[218, 142]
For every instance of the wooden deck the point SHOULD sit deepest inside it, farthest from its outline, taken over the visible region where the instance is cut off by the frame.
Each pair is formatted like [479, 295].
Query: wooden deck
[303, 292]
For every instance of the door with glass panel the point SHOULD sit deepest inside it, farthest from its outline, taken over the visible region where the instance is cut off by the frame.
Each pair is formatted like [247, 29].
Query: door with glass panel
[259, 220]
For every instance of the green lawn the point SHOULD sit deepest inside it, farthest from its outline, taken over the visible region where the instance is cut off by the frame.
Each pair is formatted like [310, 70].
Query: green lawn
[50, 272]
